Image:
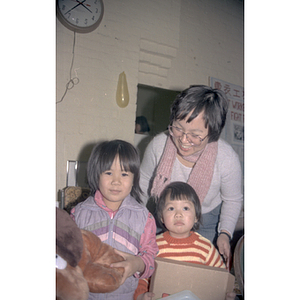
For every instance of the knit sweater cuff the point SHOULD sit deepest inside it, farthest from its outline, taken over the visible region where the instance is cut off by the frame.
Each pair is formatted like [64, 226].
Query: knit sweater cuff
[141, 288]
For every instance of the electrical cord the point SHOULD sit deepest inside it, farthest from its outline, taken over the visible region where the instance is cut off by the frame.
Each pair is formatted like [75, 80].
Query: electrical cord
[73, 81]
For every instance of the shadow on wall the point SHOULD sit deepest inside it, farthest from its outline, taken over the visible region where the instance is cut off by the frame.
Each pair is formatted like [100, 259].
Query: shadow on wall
[141, 141]
[82, 159]
[86, 151]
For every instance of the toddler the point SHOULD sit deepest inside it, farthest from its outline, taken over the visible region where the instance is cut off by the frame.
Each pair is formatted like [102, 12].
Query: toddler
[113, 212]
[179, 212]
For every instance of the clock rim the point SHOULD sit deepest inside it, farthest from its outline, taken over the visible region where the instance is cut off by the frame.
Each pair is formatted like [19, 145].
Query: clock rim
[77, 28]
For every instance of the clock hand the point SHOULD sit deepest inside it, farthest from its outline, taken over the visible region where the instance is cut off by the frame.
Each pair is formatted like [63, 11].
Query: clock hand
[73, 7]
[84, 5]
[79, 3]
[87, 8]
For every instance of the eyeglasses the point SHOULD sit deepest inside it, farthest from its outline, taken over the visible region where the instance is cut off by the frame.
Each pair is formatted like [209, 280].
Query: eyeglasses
[193, 139]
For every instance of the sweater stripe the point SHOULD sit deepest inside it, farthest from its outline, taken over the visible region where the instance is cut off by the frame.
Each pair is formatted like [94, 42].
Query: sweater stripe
[212, 258]
[175, 252]
[97, 226]
[120, 226]
[190, 259]
[126, 235]
[123, 241]
[103, 237]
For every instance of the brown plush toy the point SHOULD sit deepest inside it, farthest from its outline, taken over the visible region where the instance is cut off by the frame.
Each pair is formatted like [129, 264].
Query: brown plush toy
[83, 262]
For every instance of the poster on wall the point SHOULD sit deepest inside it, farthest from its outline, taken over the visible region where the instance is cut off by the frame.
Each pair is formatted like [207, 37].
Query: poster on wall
[233, 132]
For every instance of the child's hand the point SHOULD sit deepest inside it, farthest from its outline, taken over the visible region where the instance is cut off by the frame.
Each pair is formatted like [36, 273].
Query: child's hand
[131, 264]
[146, 296]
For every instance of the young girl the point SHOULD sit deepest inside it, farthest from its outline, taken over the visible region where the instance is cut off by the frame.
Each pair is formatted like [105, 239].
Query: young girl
[179, 211]
[114, 214]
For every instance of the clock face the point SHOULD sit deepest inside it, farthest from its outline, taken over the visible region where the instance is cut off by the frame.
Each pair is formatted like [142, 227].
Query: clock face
[80, 15]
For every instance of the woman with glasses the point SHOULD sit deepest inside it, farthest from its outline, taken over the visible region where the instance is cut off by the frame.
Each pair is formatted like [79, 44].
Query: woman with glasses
[192, 151]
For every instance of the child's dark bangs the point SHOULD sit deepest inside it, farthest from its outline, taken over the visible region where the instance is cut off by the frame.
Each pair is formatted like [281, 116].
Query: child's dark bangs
[124, 160]
[177, 195]
[124, 165]
[107, 161]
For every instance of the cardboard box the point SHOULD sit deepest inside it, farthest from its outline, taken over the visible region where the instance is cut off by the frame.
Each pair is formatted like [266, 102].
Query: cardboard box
[207, 283]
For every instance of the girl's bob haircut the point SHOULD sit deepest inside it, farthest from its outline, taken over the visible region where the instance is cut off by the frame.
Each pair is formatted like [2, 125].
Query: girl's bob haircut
[198, 98]
[103, 156]
[178, 190]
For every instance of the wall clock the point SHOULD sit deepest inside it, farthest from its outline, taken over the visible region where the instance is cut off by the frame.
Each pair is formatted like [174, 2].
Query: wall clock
[80, 15]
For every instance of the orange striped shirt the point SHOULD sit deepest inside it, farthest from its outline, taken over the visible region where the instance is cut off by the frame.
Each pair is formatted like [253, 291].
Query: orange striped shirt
[193, 249]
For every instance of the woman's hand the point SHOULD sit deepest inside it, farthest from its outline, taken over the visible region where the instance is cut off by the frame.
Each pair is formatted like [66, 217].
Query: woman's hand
[131, 264]
[224, 248]
[147, 296]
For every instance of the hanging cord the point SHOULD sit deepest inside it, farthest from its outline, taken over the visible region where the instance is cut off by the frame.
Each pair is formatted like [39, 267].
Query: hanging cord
[73, 81]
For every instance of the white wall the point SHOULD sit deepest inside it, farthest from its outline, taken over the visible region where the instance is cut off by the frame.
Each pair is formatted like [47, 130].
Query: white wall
[170, 44]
